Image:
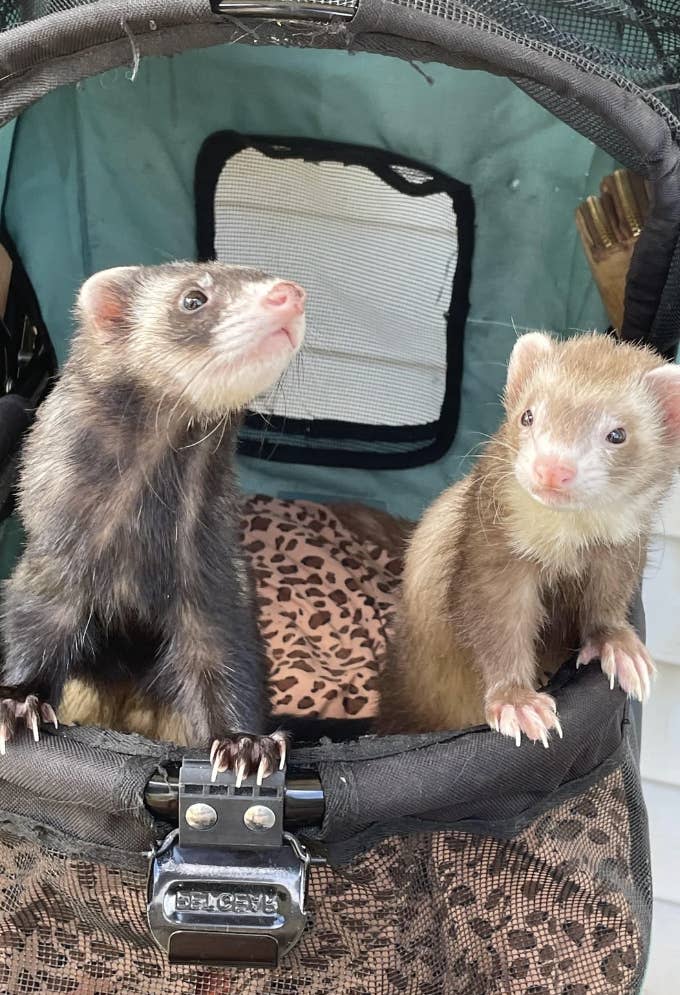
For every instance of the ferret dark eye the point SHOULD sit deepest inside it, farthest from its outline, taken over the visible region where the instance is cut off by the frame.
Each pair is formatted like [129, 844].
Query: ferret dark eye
[617, 436]
[194, 300]
[527, 418]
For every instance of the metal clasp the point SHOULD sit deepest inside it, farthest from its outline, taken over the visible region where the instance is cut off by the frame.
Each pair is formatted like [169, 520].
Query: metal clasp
[228, 887]
[286, 10]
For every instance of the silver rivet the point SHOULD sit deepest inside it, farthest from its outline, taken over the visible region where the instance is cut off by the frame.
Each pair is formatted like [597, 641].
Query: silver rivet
[259, 817]
[200, 816]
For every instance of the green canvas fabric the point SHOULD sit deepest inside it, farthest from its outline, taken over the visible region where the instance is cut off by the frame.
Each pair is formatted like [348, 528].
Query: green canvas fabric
[102, 175]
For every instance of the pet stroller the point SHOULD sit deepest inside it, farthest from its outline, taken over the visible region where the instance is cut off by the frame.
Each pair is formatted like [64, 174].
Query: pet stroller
[386, 154]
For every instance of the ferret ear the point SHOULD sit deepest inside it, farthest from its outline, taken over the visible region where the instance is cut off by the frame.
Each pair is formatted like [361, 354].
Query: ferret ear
[665, 383]
[528, 352]
[102, 301]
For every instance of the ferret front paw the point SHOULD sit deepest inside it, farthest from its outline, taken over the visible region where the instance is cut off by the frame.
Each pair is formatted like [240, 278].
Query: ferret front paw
[623, 657]
[248, 755]
[27, 707]
[520, 710]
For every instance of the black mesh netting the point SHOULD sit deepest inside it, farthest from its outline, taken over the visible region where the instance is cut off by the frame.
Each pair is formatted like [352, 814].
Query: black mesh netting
[561, 909]
[638, 40]
[15, 12]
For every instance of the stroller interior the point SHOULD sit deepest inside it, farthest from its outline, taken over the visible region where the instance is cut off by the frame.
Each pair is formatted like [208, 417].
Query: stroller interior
[428, 210]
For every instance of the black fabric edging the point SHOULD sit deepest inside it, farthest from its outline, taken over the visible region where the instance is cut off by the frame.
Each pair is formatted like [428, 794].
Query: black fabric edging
[427, 442]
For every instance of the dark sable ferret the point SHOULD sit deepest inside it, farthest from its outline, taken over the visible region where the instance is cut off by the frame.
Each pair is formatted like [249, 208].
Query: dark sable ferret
[539, 550]
[133, 572]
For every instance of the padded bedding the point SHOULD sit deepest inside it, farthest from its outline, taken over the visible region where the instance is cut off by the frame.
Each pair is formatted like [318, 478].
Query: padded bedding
[327, 579]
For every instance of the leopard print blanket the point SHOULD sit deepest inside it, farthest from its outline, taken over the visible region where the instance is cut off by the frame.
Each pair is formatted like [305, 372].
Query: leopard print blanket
[327, 579]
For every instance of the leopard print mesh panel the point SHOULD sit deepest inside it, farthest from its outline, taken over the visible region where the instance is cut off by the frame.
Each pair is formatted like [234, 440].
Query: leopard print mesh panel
[556, 911]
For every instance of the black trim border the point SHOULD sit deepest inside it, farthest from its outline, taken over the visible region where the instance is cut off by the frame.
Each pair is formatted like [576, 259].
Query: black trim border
[216, 150]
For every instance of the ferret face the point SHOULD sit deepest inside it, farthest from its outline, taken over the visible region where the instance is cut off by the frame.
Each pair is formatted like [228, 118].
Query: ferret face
[208, 336]
[575, 453]
[591, 422]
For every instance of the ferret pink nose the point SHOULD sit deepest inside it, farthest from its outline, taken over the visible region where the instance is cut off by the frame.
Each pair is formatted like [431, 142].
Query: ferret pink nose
[288, 296]
[552, 472]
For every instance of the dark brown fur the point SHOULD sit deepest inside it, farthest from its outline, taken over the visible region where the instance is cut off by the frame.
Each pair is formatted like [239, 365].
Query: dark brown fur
[370, 524]
[133, 575]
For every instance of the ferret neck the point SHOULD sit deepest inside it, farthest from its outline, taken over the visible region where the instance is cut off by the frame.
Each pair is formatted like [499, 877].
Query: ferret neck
[558, 538]
[128, 415]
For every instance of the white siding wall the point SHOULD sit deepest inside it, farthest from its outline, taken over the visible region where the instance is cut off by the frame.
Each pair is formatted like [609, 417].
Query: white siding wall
[661, 749]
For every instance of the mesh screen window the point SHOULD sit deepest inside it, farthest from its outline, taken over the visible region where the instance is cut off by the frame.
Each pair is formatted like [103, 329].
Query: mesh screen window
[383, 247]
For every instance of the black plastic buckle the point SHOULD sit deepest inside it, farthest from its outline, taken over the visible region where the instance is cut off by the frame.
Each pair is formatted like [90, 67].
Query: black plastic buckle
[228, 887]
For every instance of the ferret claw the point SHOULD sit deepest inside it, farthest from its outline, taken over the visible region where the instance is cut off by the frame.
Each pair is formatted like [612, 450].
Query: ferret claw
[249, 756]
[588, 653]
[24, 706]
[646, 683]
[48, 714]
[521, 710]
[240, 773]
[263, 770]
[279, 738]
[623, 658]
